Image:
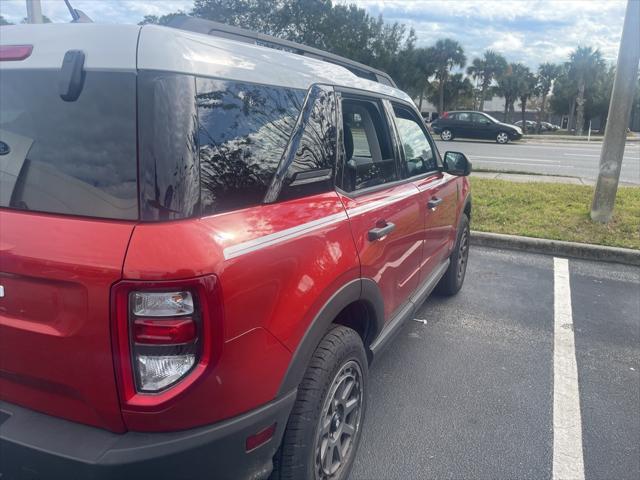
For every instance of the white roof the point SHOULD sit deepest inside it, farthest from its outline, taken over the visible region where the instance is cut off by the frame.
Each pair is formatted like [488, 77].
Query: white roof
[113, 47]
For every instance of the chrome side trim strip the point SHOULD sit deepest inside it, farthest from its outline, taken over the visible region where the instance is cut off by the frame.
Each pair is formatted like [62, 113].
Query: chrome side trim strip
[281, 236]
[299, 230]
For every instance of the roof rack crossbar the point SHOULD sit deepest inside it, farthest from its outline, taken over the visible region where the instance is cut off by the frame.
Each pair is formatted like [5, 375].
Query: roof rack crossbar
[209, 27]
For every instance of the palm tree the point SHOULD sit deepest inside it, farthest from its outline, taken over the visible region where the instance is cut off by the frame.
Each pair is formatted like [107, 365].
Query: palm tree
[458, 92]
[526, 89]
[547, 73]
[445, 54]
[509, 87]
[486, 69]
[585, 64]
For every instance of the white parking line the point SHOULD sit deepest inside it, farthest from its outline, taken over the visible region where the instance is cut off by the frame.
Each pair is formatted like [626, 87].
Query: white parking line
[568, 463]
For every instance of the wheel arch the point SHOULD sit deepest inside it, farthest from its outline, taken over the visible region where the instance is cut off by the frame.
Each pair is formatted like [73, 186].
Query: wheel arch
[466, 209]
[357, 305]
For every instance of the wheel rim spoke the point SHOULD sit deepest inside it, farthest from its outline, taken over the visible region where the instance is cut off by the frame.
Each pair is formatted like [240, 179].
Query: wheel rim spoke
[348, 429]
[348, 388]
[350, 405]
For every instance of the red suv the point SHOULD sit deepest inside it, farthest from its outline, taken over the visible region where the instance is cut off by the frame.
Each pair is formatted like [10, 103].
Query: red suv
[203, 245]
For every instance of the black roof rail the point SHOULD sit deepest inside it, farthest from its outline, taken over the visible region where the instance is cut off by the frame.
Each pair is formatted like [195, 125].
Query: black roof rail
[209, 27]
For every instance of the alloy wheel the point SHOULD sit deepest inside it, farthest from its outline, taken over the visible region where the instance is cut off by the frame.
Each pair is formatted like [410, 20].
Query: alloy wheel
[339, 424]
[502, 137]
[446, 135]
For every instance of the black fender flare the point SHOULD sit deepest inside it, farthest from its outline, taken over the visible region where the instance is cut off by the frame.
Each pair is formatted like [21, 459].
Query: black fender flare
[467, 201]
[356, 290]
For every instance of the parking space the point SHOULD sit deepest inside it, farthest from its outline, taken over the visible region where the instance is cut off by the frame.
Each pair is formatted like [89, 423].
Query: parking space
[471, 393]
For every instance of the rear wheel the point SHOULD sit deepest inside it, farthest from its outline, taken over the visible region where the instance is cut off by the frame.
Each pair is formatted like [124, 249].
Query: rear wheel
[446, 135]
[502, 138]
[452, 281]
[325, 425]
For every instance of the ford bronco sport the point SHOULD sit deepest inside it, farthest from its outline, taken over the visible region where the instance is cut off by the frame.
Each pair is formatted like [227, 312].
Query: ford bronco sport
[203, 245]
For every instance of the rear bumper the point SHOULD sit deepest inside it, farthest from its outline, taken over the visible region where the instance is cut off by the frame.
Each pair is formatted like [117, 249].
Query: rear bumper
[38, 446]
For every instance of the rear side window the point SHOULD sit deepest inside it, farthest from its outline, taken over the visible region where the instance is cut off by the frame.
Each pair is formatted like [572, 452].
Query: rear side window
[209, 146]
[308, 165]
[369, 160]
[243, 132]
[168, 145]
[75, 158]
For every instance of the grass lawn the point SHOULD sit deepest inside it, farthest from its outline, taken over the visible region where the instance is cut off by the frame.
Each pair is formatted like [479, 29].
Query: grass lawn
[555, 211]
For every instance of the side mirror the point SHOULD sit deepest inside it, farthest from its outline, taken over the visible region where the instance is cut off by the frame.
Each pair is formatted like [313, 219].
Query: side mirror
[456, 163]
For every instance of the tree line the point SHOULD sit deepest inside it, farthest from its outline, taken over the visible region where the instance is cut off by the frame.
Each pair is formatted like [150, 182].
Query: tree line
[579, 88]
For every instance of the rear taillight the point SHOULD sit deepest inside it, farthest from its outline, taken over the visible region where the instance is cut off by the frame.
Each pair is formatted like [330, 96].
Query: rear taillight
[15, 52]
[164, 342]
[165, 332]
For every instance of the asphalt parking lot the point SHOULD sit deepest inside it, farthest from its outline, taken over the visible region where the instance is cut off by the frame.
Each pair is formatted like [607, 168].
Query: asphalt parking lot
[470, 395]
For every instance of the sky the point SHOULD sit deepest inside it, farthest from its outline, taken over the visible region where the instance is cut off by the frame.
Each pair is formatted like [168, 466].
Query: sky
[527, 31]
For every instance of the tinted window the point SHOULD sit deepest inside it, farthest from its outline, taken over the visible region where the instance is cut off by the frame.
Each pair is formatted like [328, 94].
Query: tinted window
[308, 164]
[368, 156]
[76, 158]
[479, 118]
[462, 116]
[244, 130]
[169, 173]
[419, 157]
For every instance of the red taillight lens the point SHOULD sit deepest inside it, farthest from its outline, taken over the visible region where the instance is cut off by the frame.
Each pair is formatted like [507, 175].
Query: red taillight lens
[164, 335]
[15, 52]
[154, 331]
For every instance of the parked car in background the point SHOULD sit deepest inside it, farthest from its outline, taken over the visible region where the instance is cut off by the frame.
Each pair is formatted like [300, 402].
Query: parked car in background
[205, 243]
[529, 123]
[470, 124]
[549, 127]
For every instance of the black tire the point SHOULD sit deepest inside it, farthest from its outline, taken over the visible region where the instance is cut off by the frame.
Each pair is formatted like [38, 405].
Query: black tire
[310, 425]
[452, 281]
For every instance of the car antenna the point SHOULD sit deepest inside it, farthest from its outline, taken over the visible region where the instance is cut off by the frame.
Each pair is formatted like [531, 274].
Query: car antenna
[78, 15]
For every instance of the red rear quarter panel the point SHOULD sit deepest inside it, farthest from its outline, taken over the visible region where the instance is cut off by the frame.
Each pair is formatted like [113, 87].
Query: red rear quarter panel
[55, 344]
[277, 266]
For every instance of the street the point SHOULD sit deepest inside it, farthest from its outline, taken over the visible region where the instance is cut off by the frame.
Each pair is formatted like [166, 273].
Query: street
[572, 159]
[471, 393]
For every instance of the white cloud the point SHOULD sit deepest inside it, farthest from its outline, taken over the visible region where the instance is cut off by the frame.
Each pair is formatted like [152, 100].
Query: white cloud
[528, 31]
[100, 11]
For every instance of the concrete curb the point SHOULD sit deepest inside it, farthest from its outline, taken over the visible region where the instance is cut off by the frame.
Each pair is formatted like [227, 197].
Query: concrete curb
[585, 251]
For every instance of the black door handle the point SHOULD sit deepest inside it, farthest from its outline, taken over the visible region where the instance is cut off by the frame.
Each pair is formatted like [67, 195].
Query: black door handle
[434, 202]
[378, 233]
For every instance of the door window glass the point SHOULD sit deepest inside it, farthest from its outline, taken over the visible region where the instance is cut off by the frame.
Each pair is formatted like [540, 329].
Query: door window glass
[419, 157]
[369, 160]
[463, 117]
[480, 119]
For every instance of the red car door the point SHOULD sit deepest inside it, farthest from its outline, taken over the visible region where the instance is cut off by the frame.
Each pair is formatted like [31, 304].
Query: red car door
[438, 191]
[386, 214]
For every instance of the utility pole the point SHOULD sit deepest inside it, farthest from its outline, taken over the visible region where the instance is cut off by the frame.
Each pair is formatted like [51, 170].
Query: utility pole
[34, 11]
[615, 134]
